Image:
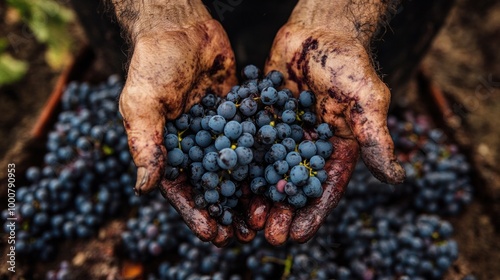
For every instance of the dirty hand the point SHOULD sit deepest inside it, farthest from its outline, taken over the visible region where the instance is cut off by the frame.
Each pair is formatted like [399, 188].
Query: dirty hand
[325, 49]
[179, 52]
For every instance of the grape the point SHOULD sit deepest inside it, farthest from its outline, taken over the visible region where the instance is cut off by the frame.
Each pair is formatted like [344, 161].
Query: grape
[222, 142]
[321, 175]
[244, 154]
[203, 138]
[248, 107]
[291, 104]
[274, 195]
[293, 159]
[283, 130]
[195, 125]
[255, 170]
[269, 96]
[209, 180]
[175, 157]
[313, 187]
[317, 162]
[227, 217]
[309, 118]
[272, 177]
[227, 158]
[216, 124]
[299, 175]
[291, 189]
[258, 185]
[276, 78]
[204, 122]
[297, 133]
[289, 144]
[187, 143]
[227, 188]
[288, 116]
[182, 122]
[263, 118]
[306, 99]
[282, 98]
[245, 140]
[210, 161]
[298, 200]
[324, 148]
[325, 131]
[250, 72]
[233, 130]
[281, 167]
[248, 127]
[196, 153]
[275, 153]
[208, 100]
[264, 83]
[307, 149]
[266, 134]
[211, 196]
[227, 110]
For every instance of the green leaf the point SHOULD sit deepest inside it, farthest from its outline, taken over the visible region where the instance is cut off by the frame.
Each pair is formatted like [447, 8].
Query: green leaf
[49, 23]
[11, 69]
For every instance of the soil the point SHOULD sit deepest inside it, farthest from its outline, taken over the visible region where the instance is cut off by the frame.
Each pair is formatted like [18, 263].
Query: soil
[463, 63]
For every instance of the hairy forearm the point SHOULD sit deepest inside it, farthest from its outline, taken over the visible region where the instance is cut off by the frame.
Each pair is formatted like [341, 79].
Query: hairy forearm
[141, 16]
[362, 18]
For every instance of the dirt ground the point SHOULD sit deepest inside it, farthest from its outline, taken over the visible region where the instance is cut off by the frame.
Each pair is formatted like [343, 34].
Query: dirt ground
[463, 63]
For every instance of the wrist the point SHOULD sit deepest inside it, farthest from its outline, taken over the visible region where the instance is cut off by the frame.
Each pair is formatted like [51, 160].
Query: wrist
[143, 18]
[348, 18]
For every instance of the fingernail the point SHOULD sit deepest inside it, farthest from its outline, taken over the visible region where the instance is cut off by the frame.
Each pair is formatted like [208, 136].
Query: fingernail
[142, 178]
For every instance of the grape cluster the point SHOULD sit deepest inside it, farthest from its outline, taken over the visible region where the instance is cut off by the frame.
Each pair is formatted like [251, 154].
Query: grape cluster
[257, 134]
[153, 231]
[87, 174]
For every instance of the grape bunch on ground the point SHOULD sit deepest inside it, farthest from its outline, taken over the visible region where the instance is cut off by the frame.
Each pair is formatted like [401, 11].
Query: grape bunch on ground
[378, 231]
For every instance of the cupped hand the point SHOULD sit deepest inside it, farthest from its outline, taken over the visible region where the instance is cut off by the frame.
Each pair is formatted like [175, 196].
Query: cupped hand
[170, 70]
[351, 97]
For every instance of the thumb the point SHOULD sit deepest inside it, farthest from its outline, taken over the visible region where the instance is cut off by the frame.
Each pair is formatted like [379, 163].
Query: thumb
[368, 119]
[144, 123]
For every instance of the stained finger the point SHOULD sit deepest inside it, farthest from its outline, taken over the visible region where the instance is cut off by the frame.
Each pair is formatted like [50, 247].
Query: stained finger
[144, 124]
[339, 168]
[278, 224]
[224, 235]
[243, 233]
[181, 197]
[258, 210]
[367, 117]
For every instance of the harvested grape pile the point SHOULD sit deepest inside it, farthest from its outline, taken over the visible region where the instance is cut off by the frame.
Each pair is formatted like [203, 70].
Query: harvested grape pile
[377, 231]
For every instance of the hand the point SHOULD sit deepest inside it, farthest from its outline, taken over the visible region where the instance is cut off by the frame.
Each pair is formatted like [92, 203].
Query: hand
[350, 97]
[170, 70]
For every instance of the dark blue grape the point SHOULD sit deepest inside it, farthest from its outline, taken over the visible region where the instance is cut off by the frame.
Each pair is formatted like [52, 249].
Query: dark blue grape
[227, 158]
[182, 122]
[306, 99]
[233, 130]
[217, 124]
[269, 96]
[299, 175]
[227, 110]
[266, 134]
[248, 107]
[244, 155]
[222, 142]
[245, 140]
[250, 72]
